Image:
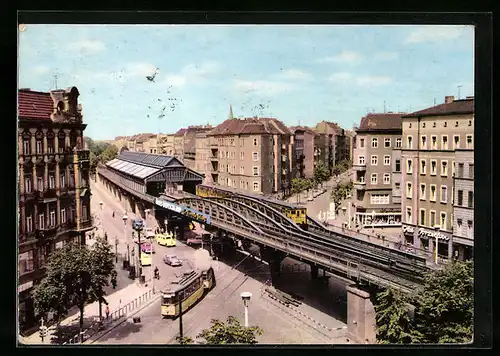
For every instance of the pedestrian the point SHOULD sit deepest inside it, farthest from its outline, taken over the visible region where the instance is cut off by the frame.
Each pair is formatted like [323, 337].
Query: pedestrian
[113, 213]
[107, 311]
[113, 279]
[157, 273]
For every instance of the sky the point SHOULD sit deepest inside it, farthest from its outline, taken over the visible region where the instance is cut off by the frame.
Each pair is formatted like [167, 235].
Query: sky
[300, 74]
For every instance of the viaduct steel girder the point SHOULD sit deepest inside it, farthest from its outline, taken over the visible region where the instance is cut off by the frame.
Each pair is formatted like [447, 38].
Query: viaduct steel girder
[271, 212]
[250, 213]
[219, 213]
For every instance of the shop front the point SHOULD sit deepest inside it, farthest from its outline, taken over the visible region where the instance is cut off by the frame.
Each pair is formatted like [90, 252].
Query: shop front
[378, 219]
[426, 239]
[26, 309]
[463, 248]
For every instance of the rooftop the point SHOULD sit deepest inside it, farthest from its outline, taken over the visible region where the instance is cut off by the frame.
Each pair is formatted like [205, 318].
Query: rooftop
[455, 107]
[34, 104]
[381, 122]
[251, 126]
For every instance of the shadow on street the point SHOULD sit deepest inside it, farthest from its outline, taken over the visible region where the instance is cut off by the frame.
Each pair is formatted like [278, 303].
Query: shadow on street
[125, 330]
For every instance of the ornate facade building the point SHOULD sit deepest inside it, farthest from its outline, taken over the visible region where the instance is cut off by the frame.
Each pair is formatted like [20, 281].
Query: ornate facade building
[53, 185]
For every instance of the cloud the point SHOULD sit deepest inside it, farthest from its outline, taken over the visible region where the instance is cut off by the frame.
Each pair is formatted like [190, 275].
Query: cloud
[139, 69]
[366, 80]
[343, 57]
[40, 69]
[87, 46]
[262, 86]
[203, 69]
[175, 80]
[386, 56]
[340, 77]
[370, 80]
[436, 33]
[295, 74]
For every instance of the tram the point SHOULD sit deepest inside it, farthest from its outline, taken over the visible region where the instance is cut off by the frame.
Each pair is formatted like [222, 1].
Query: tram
[190, 288]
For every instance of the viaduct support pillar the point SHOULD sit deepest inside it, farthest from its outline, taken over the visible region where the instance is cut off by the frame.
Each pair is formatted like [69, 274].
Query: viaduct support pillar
[361, 325]
[274, 258]
[314, 271]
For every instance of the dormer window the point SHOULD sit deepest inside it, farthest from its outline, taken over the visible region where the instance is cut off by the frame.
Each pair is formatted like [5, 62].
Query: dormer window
[60, 107]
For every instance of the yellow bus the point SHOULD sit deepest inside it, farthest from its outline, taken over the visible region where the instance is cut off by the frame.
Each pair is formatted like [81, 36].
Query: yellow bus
[166, 239]
[190, 288]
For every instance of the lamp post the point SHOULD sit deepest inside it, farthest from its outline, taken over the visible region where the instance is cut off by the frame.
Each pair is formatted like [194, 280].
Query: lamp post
[436, 245]
[245, 296]
[116, 249]
[125, 218]
[147, 211]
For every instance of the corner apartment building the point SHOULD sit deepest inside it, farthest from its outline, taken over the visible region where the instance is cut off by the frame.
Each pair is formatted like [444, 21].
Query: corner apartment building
[252, 154]
[189, 144]
[433, 139]
[165, 144]
[179, 144]
[377, 138]
[337, 142]
[202, 156]
[53, 185]
[304, 138]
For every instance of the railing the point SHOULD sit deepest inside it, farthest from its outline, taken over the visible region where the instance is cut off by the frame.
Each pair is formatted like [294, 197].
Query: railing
[83, 155]
[117, 315]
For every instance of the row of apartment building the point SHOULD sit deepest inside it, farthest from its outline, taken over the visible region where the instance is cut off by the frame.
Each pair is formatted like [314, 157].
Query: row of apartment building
[53, 185]
[416, 171]
[260, 155]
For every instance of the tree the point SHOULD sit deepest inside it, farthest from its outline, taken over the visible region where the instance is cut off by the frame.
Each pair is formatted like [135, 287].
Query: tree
[186, 340]
[340, 192]
[111, 152]
[75, 275]
[94, 161]
[229, 332]
[443, 309]
[321, 174]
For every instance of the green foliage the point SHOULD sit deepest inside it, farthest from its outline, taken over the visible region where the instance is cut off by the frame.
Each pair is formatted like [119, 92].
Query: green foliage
[321, 173]
[341, 167]
[229, 332]
[75, 275]
[340, 192]
[111, 152]
[443, 309]
[97, 147]
[186, 340]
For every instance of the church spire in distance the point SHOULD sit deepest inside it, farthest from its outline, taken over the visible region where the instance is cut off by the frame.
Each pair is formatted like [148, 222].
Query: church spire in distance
[230, 114]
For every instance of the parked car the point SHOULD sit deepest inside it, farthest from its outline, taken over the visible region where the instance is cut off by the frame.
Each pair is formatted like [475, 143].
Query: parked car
[147, 247]
[145, 259]
[166, 239]
[193, 241]
[172, 260]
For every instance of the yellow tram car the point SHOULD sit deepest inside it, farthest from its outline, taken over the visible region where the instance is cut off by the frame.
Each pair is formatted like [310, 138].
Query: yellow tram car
[295, 213]
[191, 287]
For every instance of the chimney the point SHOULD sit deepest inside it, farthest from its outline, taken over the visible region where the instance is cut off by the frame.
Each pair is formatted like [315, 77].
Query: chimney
[449, 99]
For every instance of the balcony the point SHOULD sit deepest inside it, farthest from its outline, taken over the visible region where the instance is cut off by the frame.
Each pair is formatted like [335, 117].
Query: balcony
[46, 232]
[30, 195]
[83, 155]
[283, 158]
[46, 195]
[84, 225]
[360, 185]
[214, 158]
[359, 167]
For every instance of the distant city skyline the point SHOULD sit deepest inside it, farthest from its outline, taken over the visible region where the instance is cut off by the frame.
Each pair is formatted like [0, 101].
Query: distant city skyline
[297, 74]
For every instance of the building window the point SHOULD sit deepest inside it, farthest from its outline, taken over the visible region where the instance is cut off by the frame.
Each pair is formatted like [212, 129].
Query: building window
[63, 215]
[459, 226]
[453, 168]
[242, 169]
[27, 185]
[469, 142]
[255, 142]
[434, 142]
[471, 170]
[409, 166]
[470, 202]
[41, 221]
[242, 155]
[374, 160]
[444, 168]
[374, 142]
[26, 262]
[361, 143]
[397, 186]
[444, 194]
[361, 160]
[387, 142]
[387, 160]
[255, 171]
[255, 156]
[26, 147]
[432, 218]
[423, 166]
[409, 142]
[63, 180]
[374, 178]
[398, 142]
[52, 218]
[398, 165]
[422, 217]
[433, 167]
[40, 183]
[233, 169]
[378, 199]
[424, 142]
[39, 147]
[422, 191]
[444, 142]
[255, 186]
[84, 213]
[387, 178]
[456, 141]
[409, 191]
[470, 228]
[443, 220]
[408, 215]
[432, 195]
[52, 182]
[29, 224]
[460, 197]
[242, 143]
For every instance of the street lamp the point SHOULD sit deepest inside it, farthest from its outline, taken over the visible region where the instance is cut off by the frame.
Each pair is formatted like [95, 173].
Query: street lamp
[125, 218]
[245, 296]
[116, 250]
[147, 211]
[436, 227]
[101, 204]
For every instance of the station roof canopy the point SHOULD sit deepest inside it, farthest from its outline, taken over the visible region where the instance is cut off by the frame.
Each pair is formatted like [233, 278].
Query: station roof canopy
[152, 167]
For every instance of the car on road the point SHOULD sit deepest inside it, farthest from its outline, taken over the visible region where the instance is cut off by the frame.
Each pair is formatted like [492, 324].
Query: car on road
[172, 260]
[145, 259]
[166, 239]
[148, 232]
[147, 247]
[194, 241]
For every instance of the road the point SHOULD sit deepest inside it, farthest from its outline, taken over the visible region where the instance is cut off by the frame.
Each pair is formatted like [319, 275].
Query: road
[321, 304]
